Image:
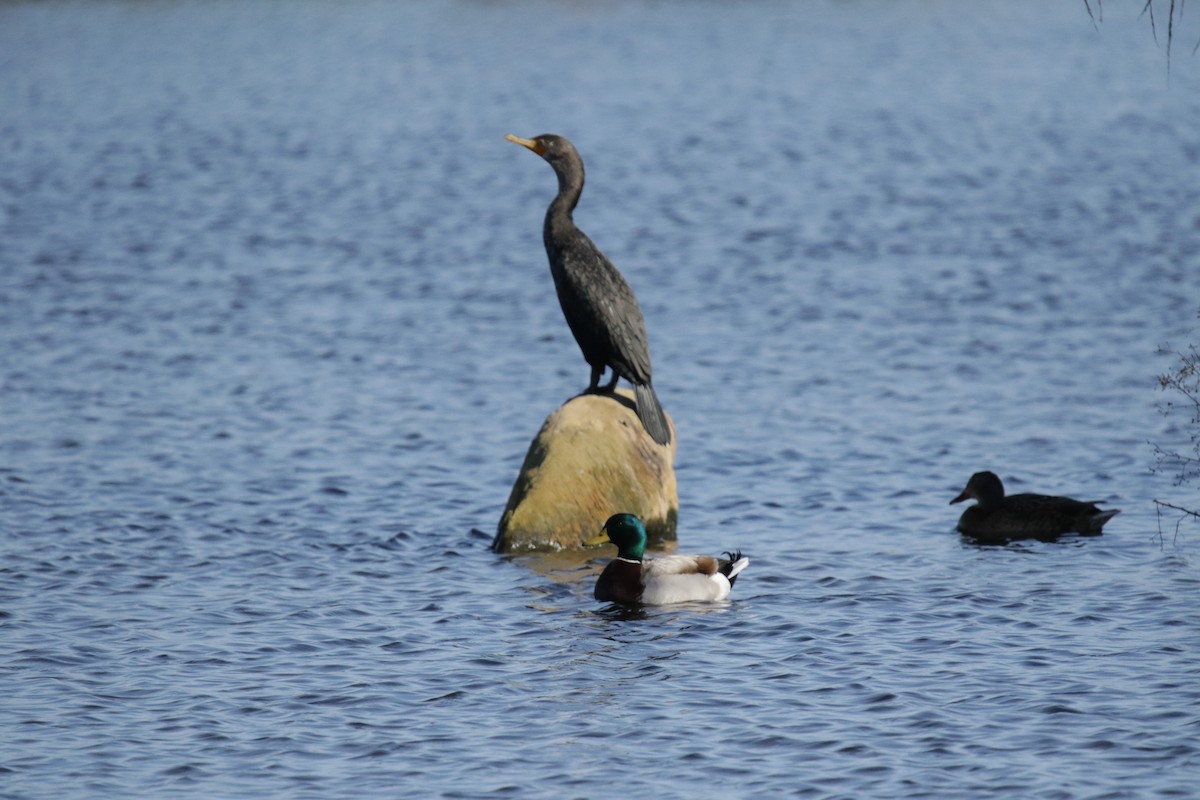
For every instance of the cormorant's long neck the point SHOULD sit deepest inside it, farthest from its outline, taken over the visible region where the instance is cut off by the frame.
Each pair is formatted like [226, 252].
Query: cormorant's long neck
[559, 223]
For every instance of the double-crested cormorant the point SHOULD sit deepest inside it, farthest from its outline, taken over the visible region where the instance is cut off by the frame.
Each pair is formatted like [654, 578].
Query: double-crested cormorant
[995, 515]
[632, 579]
[600, 308]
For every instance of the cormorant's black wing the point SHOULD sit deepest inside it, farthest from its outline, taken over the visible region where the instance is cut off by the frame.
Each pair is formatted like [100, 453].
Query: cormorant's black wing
[602, 310]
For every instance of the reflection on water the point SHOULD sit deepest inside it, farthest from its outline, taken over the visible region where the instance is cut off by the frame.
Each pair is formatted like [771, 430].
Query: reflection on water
[278, 331]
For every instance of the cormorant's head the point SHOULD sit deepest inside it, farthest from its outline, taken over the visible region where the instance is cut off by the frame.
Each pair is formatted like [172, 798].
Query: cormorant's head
[984, 487]
[557, 150]
[627, 532]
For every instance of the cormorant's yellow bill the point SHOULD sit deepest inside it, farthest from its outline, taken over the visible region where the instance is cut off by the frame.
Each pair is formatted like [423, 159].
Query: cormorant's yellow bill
[535, 146]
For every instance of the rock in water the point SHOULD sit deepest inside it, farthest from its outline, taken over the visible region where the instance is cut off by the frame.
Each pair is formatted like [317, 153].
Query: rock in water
[591, 459]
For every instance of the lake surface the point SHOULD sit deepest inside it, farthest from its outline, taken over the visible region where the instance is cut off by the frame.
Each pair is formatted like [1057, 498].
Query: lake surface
[278, 328]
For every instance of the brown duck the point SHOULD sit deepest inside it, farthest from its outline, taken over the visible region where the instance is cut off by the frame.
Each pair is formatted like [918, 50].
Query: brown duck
[1025, 515]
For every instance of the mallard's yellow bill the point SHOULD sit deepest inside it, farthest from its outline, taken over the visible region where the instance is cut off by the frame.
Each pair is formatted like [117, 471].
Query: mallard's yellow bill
[599, 539]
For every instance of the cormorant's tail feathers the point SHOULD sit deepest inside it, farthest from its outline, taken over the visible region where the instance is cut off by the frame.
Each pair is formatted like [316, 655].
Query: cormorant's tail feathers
[651, 414]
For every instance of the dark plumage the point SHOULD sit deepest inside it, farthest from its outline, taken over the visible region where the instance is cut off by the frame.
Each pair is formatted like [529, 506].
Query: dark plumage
[995, 516]
[601, 310]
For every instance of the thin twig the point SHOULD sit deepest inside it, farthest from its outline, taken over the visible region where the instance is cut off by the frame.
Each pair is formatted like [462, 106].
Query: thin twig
[1159, 505]
[1153, 27]
[1170, 32]
[1186, 511]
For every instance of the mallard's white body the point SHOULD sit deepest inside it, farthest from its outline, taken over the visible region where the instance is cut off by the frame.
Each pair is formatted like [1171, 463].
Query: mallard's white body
[683, 579]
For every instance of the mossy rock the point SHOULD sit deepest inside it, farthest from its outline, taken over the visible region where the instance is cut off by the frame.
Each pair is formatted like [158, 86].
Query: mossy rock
[591, 459]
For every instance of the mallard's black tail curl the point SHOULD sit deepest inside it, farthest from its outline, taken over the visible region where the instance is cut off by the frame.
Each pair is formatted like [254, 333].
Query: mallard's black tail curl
[734, 564]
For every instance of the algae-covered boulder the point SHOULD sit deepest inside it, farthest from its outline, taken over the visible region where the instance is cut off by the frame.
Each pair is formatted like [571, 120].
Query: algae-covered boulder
[591, 459]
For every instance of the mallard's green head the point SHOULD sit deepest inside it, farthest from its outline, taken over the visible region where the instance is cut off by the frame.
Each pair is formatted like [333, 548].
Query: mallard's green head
[628, 533]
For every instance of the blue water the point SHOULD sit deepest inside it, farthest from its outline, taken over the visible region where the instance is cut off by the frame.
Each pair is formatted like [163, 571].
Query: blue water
[277, 329]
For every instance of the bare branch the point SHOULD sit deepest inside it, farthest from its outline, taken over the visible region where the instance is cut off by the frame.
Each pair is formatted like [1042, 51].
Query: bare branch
[1185, 511]
[1182, 380]
[1153, 28]
[1170, 32]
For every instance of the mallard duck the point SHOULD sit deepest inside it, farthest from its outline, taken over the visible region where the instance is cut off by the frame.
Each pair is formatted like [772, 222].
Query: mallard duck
[632, 579]
[1028, 515]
